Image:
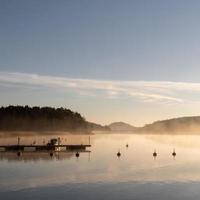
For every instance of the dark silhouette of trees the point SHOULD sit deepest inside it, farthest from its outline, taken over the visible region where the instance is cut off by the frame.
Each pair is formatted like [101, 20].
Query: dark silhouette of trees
[40, 118]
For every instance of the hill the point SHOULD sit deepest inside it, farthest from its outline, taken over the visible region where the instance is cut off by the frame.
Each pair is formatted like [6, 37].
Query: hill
[121, 126]
[176, 125]
[97, 127]
[25, 118]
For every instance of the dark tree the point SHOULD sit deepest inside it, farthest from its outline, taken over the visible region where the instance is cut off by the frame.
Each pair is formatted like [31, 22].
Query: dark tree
[40, 118]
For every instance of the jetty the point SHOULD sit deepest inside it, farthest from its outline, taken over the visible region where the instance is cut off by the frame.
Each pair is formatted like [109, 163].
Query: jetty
[53, 145]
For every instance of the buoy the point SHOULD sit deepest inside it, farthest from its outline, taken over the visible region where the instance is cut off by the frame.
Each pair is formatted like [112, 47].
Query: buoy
[174, 153]
[118, 154]
[77, 154]
[154, 154]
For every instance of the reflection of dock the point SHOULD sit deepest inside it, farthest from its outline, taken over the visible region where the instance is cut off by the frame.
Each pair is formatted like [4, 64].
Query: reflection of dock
[44, 147]
[36, 156]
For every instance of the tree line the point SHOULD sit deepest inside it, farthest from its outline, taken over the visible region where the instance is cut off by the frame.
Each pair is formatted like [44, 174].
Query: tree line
[41, 118]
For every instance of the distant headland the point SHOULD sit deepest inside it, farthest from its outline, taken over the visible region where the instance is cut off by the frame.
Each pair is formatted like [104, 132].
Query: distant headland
[182, 125]
[26, 118]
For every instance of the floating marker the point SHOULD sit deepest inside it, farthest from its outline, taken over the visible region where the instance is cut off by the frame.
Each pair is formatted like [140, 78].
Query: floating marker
[154, 154]
[118, 154]
[174, 153]
[77, 154]
[51, 154]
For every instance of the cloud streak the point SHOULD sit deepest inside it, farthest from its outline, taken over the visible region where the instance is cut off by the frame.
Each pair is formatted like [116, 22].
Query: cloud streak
[148, 91]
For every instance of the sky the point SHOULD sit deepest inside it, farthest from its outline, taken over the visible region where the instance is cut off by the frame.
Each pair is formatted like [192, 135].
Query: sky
[135, 61]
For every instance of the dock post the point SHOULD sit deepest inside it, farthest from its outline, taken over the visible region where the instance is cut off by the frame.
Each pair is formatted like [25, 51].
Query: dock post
[18, 140]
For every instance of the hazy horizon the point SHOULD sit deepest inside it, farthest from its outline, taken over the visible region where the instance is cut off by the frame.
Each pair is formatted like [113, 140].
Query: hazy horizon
[105, 97]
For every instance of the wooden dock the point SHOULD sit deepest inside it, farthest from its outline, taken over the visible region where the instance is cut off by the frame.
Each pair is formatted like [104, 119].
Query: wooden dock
[60, 147]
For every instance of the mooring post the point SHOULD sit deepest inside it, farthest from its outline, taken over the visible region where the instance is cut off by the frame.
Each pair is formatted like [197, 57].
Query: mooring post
[18, 140]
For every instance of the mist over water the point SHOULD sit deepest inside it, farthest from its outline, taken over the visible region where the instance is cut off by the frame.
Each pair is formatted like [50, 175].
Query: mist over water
[101, 171]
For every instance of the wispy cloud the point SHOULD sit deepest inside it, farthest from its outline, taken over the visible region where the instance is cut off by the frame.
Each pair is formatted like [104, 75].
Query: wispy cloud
[148, 91]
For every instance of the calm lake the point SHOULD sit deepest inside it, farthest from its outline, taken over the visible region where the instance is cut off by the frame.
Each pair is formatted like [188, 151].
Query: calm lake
[100, 174]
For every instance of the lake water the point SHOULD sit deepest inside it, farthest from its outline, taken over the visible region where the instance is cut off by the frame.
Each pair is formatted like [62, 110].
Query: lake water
[101, 174]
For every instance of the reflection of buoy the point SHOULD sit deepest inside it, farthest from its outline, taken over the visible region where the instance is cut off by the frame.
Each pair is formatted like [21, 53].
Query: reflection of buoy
[77, 154]
[174, 153]
[154, 154]
[18, 153]
[126, 145]
[118, 154]
[51, 154]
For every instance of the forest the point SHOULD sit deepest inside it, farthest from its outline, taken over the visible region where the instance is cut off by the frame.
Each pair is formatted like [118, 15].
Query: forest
[26, 118]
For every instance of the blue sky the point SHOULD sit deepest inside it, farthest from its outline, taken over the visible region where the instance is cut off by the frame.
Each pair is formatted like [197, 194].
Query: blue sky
[110, 43]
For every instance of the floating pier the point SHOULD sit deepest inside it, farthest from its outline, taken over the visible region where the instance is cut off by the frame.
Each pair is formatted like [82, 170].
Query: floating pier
[43, 147]
[53, 145]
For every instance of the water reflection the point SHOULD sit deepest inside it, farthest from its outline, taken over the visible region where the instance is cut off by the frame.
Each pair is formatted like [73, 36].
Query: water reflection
[136, 166]
[38, 156]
